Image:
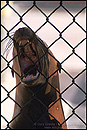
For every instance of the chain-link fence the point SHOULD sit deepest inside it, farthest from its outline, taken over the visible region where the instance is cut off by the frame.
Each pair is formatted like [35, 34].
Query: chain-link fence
[63, 26]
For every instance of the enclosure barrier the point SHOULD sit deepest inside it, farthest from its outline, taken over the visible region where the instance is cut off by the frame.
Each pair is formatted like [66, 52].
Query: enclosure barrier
[60, 37]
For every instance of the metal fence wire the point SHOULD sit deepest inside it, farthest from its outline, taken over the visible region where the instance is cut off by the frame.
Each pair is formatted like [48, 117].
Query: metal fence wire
[47, 21]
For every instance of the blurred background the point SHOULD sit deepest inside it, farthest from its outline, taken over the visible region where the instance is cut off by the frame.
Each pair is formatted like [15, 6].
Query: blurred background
[74, 65]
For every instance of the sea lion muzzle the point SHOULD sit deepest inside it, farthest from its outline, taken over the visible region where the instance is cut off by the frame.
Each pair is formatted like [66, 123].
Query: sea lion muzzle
[29, 63]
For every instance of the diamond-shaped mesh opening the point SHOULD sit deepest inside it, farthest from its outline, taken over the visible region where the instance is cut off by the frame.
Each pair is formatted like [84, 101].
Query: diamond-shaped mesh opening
[12, 18]
[82, 54]
[72, 7]
[3, 32]
[78, 123]
[76, 99]
[4, 93]
[3, 63]
[3, 122]
[71, 62]
[79, 18]
[5, 110]
[63, 26]
[18, 5]
[51, 6]
[61, 50]
[73, 30]
[47, 34]
[82, 114]
[82, 82]
[62, 19]
[30, 16]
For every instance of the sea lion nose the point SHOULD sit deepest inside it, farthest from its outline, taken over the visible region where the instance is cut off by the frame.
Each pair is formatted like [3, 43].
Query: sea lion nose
[27, 48]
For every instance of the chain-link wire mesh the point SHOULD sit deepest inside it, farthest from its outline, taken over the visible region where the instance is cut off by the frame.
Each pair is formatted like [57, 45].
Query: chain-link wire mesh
[72, 77]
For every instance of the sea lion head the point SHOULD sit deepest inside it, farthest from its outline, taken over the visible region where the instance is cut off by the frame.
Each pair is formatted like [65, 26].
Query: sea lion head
[30, 58]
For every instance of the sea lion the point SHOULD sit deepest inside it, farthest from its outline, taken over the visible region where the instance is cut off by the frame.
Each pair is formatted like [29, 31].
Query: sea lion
[37, 100]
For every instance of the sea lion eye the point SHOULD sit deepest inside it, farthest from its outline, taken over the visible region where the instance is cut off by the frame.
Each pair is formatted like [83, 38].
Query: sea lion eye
[32, 49]
[20, 43]
[22, 51]
[22, 48]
